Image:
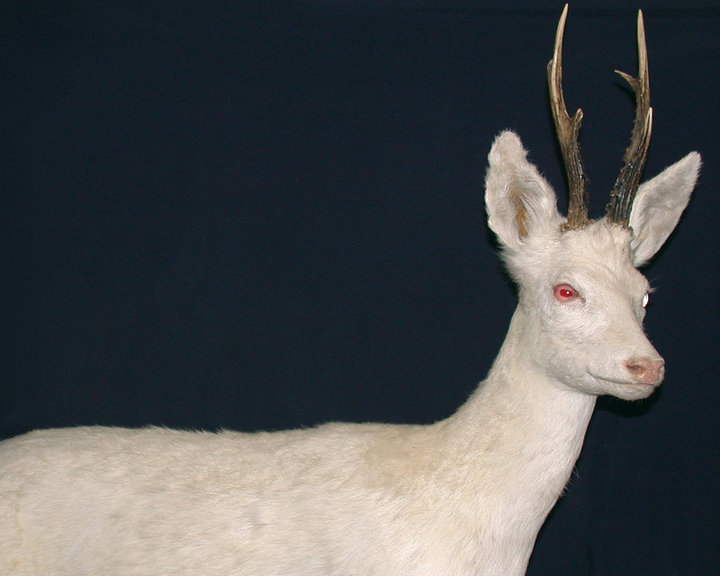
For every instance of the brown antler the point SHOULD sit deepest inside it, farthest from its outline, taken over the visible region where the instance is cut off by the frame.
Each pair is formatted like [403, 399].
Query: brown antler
[626, 185]
[568, 130]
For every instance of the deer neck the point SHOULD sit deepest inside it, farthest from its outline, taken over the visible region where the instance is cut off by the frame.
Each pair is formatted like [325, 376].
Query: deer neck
[519, 435]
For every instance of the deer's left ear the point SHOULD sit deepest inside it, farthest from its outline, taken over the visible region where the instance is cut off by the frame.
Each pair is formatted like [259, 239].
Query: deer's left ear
[519, 201]
[658, 205]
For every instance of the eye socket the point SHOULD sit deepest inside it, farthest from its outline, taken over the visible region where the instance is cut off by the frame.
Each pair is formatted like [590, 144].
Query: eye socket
[645, 300]
[565, 293]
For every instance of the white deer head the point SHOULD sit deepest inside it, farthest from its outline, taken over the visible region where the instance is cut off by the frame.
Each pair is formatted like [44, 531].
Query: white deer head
[581, 299]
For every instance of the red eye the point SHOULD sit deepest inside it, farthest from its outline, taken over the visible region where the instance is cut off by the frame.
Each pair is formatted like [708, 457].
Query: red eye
[565, 293]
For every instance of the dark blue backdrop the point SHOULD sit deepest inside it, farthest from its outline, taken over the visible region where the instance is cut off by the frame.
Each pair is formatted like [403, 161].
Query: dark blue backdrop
[269, 214]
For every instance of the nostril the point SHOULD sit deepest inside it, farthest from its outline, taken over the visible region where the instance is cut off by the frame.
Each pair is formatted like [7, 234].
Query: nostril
[646, 371]
[635, 366]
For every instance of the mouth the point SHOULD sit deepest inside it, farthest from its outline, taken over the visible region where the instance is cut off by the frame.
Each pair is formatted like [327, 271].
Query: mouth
[627, 389]
[625, 381]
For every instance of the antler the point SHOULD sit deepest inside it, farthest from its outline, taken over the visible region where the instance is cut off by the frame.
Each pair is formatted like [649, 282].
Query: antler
[568, 130]
[626, 185]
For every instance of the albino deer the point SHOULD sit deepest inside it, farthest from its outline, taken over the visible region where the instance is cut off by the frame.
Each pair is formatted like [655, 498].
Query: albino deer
[464, 496]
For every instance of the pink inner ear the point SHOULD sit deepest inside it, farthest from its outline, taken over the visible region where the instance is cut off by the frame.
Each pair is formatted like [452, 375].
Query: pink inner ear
[565, 293]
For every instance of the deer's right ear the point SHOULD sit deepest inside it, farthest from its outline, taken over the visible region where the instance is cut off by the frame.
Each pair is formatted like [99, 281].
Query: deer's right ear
[658, 206]
[519, 201]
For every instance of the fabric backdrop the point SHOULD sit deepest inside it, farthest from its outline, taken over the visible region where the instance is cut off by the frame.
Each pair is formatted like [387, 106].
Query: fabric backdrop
[262, 215]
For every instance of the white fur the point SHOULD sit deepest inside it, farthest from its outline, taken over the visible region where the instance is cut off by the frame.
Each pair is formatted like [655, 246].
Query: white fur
[465, 496]
[659, 204]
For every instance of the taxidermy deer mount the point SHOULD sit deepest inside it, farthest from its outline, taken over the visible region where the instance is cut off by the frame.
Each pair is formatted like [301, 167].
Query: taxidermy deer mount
[464, 496]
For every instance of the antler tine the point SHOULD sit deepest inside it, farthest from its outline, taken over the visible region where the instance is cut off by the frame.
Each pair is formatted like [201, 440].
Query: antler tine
[626, 185]
[568, 130]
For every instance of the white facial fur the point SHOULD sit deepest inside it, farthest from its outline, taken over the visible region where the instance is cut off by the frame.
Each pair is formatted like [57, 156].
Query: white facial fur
[594, 343]
[587, 341]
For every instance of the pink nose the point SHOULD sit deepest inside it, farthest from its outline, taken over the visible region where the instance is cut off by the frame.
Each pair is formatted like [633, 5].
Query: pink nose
[646, 371]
